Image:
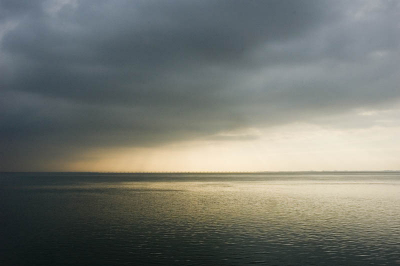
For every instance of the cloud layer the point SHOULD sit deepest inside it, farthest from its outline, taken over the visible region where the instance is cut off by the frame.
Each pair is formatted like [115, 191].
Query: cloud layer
[77, 75]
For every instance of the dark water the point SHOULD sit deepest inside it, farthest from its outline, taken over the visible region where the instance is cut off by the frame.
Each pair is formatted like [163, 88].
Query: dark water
[200, 219]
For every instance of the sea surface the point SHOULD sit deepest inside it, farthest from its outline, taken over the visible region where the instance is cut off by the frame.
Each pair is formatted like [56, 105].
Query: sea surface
[308, 218]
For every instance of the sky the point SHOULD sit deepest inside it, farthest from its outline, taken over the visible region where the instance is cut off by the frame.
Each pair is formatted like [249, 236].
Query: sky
[199, 85]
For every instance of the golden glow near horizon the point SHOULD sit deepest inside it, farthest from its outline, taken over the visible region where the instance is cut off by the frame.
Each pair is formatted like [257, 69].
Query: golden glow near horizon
[276, 86]
[292, 147]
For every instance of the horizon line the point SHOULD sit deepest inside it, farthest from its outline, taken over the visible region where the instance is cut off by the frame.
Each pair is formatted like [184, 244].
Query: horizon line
[207, 172]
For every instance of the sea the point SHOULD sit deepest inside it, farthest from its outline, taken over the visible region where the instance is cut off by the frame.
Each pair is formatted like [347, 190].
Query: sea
[292, 218]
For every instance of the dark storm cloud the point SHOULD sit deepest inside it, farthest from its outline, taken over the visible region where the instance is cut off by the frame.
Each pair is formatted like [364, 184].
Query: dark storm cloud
[84, 74]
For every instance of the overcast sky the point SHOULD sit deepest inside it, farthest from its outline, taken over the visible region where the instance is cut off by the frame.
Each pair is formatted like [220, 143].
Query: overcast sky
[199, 85]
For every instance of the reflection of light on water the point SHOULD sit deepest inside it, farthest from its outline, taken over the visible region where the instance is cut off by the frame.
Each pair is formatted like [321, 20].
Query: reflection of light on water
[283, 219]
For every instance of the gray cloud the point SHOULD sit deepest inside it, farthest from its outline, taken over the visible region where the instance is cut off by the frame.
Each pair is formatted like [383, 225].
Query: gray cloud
[91, 74]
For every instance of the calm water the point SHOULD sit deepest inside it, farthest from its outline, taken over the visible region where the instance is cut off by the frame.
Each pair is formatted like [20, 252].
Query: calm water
[200, 219]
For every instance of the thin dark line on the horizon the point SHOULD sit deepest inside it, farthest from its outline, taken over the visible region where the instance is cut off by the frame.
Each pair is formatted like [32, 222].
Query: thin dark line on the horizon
[207, 172]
